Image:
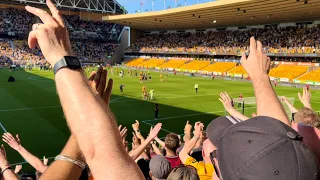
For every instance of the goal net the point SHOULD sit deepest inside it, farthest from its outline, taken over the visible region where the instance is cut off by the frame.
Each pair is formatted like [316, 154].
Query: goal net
[247, 105]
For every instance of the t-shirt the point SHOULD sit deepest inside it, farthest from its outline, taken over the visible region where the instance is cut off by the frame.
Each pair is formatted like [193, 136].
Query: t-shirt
[311, 137]
[196, 86]
[205, 171]
[174, 161]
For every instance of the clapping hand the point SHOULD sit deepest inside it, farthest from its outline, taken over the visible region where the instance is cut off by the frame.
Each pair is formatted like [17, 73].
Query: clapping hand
[154, 131]
[135, 126]
[198, 128]
[97, 82]
[3, 158]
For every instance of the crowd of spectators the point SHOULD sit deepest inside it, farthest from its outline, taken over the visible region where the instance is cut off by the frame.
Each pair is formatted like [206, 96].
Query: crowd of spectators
[265, 146]
[298, 39]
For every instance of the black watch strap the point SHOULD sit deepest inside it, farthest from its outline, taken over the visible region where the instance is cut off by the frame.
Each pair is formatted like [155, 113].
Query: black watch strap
[68, 62]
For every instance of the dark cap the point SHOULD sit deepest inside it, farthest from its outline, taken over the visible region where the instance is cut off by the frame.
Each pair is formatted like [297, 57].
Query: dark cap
[217, 126]
[160, 167]
[263, 148]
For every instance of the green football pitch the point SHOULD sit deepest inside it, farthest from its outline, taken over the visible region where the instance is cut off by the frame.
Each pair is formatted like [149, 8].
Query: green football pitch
[30, 106]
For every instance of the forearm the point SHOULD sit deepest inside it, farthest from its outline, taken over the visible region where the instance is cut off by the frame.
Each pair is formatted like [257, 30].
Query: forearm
[32, 160]
[233, 112]
[267, 102]
[139, 135]
[62, 169]
[156, 149]
[307, 105]
[159, 141]
[187, 136]
[291, 107]
[9, 175]
[134, 154]
[187, 148]
[94, 127]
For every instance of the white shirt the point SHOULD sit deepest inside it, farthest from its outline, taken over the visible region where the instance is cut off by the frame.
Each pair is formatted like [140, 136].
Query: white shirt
[196, 86]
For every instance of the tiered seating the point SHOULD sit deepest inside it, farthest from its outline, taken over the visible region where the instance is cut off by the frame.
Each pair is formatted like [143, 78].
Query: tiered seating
[288, 71]
[238, 70]
[195, 65]
[311, 76]
[135, 62]
[219, 67]
[173, 63]
[152, 63]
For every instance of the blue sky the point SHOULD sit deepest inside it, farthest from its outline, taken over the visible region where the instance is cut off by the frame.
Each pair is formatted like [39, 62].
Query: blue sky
[133, 5]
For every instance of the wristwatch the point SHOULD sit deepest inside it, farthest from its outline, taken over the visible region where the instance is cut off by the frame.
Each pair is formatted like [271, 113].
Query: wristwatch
[67, 62]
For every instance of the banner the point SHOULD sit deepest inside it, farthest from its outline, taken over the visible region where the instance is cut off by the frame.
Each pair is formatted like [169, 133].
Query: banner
[284, 79]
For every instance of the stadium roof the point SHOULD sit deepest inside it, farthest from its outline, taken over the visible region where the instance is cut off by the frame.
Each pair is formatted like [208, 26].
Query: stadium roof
[103, 6]
[226, 13]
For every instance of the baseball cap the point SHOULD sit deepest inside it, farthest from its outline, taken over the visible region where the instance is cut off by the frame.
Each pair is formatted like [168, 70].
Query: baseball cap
[160, 167]
[217, 126]
[263, 148]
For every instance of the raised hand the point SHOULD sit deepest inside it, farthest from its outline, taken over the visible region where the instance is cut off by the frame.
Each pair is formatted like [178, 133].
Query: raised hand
[14, 143]
[154, 131]
[45, 160]
[226, 101]
[17, 169]
[257, 64]
[305, 98]
[123, 131]
[3, 158]
[135, 126]
[198, 128]
[187, 127]
[52, 36]
[97, 82]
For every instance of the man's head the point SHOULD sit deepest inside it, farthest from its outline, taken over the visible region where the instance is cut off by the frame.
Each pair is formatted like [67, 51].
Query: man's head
[172, 142]
[260, 148]
[307, 116]
[160, 167]
[184, 172]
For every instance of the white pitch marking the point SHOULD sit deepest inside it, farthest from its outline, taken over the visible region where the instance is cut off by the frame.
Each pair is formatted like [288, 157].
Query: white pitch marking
[4, 129]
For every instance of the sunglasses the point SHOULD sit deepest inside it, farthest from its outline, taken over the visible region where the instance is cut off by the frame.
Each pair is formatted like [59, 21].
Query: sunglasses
[213, 155]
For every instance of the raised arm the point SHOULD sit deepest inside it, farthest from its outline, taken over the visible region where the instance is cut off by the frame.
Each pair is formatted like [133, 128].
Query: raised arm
[290, 106]
[159, 141]
[15, 143]
[153, 133]
[257, 65]
[62, 169]
[305, 98]
[7, 172]
[226, 102]
[136, 129]
[155, 148]
[188, 146]
[89, 118]
[187, 132]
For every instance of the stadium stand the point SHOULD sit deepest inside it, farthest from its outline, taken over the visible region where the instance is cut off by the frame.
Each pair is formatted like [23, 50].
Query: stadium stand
[278, 40]
[152, 63]
[219, 67]
[135, 62]
[194, 65]
[173, 63]
[311, 76]
[288, 71]
[238, 70]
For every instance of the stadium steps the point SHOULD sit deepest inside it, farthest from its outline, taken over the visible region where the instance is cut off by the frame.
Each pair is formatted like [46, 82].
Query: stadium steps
[12, 44]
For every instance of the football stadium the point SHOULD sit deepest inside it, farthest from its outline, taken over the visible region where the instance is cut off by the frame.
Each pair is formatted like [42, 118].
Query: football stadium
[107, 89]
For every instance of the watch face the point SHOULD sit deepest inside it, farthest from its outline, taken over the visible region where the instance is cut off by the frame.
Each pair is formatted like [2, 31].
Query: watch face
[72, 62]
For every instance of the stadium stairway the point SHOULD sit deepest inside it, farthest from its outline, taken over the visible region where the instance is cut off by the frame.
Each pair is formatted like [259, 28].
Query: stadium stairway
[11, 44]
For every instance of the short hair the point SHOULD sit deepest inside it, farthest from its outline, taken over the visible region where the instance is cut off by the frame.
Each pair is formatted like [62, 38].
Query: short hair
[307, 116]
[184, 172]
[172, 142]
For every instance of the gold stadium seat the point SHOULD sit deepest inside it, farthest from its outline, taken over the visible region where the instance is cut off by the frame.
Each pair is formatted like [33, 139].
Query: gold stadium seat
[135, 62]
[173, 63]
[288, 71]
[219, 67]
[195, 65]
[152, 63]
[238, 70]
[311, 76]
